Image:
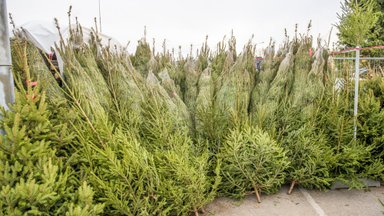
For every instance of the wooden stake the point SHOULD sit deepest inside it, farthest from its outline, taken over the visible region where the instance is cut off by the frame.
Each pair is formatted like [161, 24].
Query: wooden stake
[292, 186]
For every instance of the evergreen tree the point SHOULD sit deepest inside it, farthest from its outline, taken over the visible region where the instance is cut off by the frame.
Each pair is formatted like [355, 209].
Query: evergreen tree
[34, 178]
[183, 166]
[252, 162]
[359, 23]
[311, 159]
[354, 159]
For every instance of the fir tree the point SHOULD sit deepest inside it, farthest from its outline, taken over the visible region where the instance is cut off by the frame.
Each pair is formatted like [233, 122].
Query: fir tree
[310, 158]
[34, 179]
[252, 161]
[182, 167]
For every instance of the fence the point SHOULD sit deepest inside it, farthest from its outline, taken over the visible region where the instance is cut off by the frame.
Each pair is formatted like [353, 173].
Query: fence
[359, 63]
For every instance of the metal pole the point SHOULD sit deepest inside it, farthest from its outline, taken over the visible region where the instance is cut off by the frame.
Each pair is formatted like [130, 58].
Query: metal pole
[356, 100]
[7, 94]
[100, 16]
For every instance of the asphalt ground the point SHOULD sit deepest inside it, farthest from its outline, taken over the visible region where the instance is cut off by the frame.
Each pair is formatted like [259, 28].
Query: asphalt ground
[341, 202]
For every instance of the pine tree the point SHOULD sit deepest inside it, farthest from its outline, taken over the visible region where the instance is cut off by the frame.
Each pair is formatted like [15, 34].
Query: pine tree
[83, 205]
[353, 158]
[371, 117]
[252, 161]
[122, 173]
[35, 150]
[34, 179]
[357, 20]
[310, 158]
[142, 60]
[182, 167]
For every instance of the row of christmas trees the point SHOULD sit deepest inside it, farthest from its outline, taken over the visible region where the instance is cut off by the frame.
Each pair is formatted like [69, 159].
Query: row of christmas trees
[148, 134]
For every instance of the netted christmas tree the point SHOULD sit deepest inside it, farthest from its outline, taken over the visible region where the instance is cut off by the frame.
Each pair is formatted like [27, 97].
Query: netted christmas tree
[205, 118]
[144, 60]
[182, 167]
[31, 65]
[233, 97]
[83, 81]
[269, 96]
[124, 83]
[261, 108]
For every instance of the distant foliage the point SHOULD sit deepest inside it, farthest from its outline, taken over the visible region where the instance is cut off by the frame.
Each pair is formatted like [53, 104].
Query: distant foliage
[360, 23]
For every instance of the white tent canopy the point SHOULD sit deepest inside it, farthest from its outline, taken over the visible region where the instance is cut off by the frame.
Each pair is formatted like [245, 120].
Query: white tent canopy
[45, 35]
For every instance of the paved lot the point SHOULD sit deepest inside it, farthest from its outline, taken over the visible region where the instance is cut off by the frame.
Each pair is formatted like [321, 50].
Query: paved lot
[304, 202]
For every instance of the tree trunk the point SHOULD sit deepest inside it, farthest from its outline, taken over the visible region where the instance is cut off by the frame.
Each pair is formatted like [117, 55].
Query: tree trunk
[292, 186]
[196, 212]
[257, 195]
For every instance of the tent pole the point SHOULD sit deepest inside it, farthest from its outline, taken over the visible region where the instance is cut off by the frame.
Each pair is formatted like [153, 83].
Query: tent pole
[7, 94]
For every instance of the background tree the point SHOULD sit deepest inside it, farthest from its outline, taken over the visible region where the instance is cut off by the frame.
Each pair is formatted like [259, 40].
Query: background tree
[361, 23]
[377, 32]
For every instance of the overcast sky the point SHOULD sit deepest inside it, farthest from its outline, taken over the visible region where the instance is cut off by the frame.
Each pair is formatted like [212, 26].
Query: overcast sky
[183, 22]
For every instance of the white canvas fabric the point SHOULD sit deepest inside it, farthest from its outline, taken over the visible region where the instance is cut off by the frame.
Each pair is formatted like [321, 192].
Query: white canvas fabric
[45, 35]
